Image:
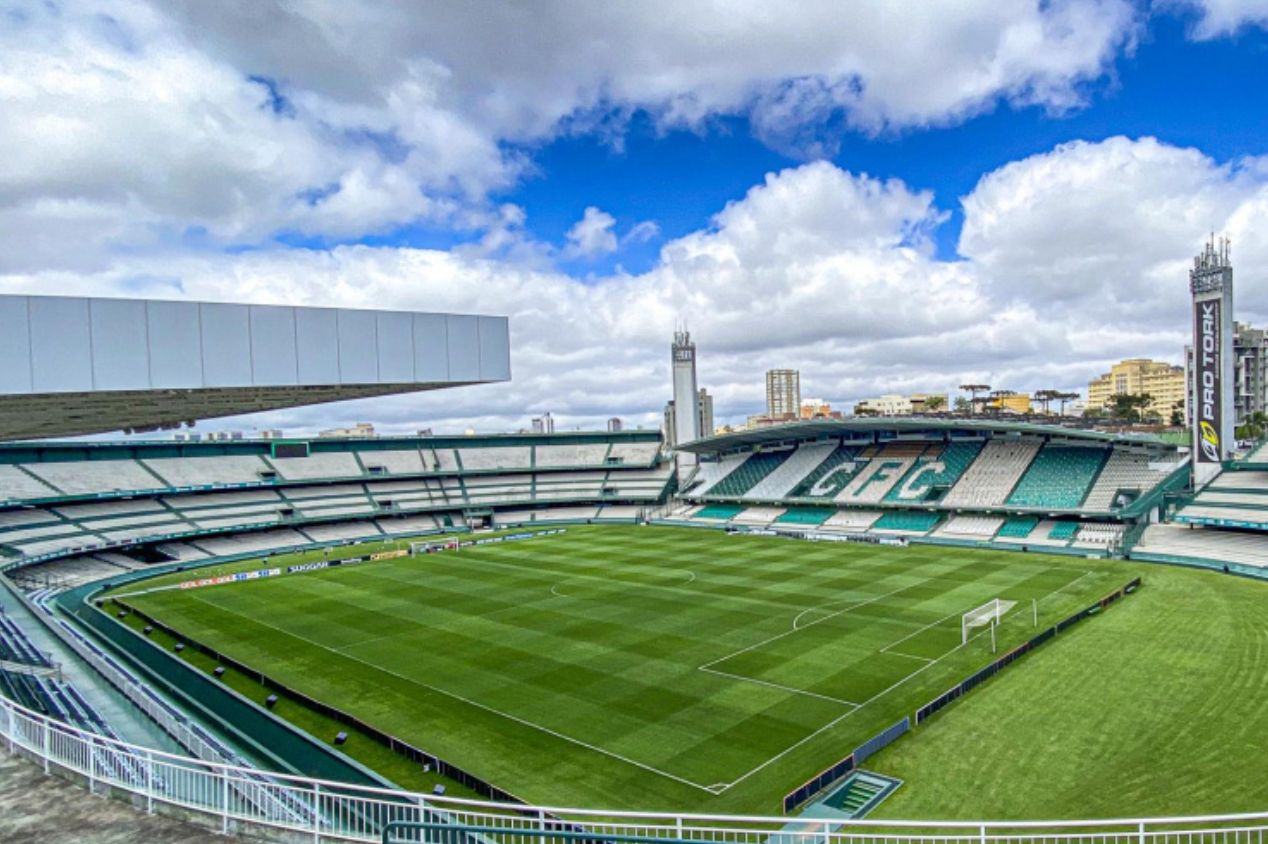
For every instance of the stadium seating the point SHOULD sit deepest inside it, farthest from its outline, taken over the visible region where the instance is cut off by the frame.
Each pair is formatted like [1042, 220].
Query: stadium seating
[710, 472]
[939, 467]
[483, 459]
[1258, 454]
[747, 474]
[1099, 535]
[83, 477]
[970, 527]
[1017, 527]
[809, 516]
[317, 465]
[1243, 516]
[590, 454]
[718, 512]
[829, 477]
[393, 462]
[906, 521]
[791, 472]
[1063, 530]
[991, 477]
[1058, 477]
[1206, 544]
[758, 516]
[851, 521]
[634, 454]
[883, 471]
[1125, 470]
[208, 471]
[16, 485]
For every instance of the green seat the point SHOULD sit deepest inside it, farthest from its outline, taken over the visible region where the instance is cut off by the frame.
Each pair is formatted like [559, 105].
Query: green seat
[1059, 477]
[747, 475]
[1018, 527]
[1064, 530]
[806, 515]
[721, 512]
[907, 520]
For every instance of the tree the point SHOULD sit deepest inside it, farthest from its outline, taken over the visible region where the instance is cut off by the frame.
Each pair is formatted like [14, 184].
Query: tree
[1130, 407]
[1044, 398]
[935, 403]
[865, 410]
[963, 405]
[1065, 397]
[1252, 427]
[973, 390]
[1177, 414]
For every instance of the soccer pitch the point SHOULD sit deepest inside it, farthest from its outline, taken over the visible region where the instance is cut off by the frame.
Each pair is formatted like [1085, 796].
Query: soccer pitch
[636, 667]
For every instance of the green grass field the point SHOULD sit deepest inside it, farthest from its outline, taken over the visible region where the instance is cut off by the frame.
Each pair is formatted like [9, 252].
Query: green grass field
[638, 667]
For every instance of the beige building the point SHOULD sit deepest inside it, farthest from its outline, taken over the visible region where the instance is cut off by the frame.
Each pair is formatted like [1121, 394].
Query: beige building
[783, 393]
[1163, 382]
[896, 405]
[1016, 403]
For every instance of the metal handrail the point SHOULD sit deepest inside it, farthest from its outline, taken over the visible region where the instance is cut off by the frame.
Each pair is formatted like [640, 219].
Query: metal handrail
[221, 794]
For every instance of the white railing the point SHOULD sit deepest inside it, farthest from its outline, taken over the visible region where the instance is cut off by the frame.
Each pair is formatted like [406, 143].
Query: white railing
[235, 799]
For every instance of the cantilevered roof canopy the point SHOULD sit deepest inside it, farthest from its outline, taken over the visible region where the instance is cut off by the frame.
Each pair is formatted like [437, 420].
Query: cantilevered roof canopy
[823, 428]
[72, 366]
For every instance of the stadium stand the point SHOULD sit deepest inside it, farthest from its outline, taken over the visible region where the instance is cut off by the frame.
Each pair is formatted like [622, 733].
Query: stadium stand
[316, 466]
[208, 471]
[1099, 535]
[806, 516]
[710, 472]
[829, 477]
[748, 473]
[393, 462]
[991, 477]
[16, 485]
[1248, 481]
[83, 477]
[483, 459]
[571, 455]
[788, 474]
[885, 468]
[1125, 471]
[1017, 527]
[939, 468]
[1258, 454]
[970, 527]
[1202, 544]
[634, 454]
[1059, 477]
[1063, 530]
[852, 521]
[906, 522]
[758, 516]
[718, 512]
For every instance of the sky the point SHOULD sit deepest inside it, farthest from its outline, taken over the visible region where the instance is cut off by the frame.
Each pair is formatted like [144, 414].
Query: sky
[889, 197]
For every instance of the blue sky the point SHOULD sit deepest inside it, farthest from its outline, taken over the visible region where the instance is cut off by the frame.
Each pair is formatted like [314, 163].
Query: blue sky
[889, 197]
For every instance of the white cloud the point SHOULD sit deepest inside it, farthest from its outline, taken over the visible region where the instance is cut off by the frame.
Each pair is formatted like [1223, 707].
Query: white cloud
[1223, 17]
[134, 125]
[1073, 258]
[592, 236]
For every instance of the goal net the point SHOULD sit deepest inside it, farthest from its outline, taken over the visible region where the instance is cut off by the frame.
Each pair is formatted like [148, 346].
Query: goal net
[990, 613]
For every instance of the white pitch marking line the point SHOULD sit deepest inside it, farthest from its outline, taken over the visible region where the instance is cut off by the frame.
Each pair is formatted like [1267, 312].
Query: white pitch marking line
[886, 691]
[782, 688]
[554, 590]
[777, 636]
[474, 703]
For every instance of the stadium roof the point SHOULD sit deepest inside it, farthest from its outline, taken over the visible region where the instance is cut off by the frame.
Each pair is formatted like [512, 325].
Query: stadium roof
[78, 366]
[904, 424]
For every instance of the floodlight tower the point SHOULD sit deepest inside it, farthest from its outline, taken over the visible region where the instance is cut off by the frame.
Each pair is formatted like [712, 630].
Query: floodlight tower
[686, 395]
[1211, 387]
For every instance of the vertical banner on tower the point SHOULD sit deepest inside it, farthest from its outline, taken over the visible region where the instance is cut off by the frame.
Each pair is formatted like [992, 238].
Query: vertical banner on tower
[1207, 386]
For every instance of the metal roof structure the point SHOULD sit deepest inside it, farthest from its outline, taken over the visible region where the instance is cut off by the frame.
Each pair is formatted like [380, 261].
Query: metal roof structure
[75, 366]
[824, 428]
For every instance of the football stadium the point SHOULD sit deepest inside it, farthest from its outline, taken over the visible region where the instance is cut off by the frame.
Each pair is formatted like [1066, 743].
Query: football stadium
[938, 628]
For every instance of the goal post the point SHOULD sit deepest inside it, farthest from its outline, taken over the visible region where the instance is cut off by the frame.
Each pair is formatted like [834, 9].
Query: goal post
[990, 613]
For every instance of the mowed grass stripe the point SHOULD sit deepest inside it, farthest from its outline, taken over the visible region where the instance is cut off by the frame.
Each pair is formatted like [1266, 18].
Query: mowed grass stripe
[609, 673]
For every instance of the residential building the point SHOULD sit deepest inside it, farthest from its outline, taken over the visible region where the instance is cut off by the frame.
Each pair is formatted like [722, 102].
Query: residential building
[892, 404]
[361, 429]
[615, 425]
[544, 424]
[1250, 371]
[1011, 403]
[783, 393]
[686, 419]
[1162, 382]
